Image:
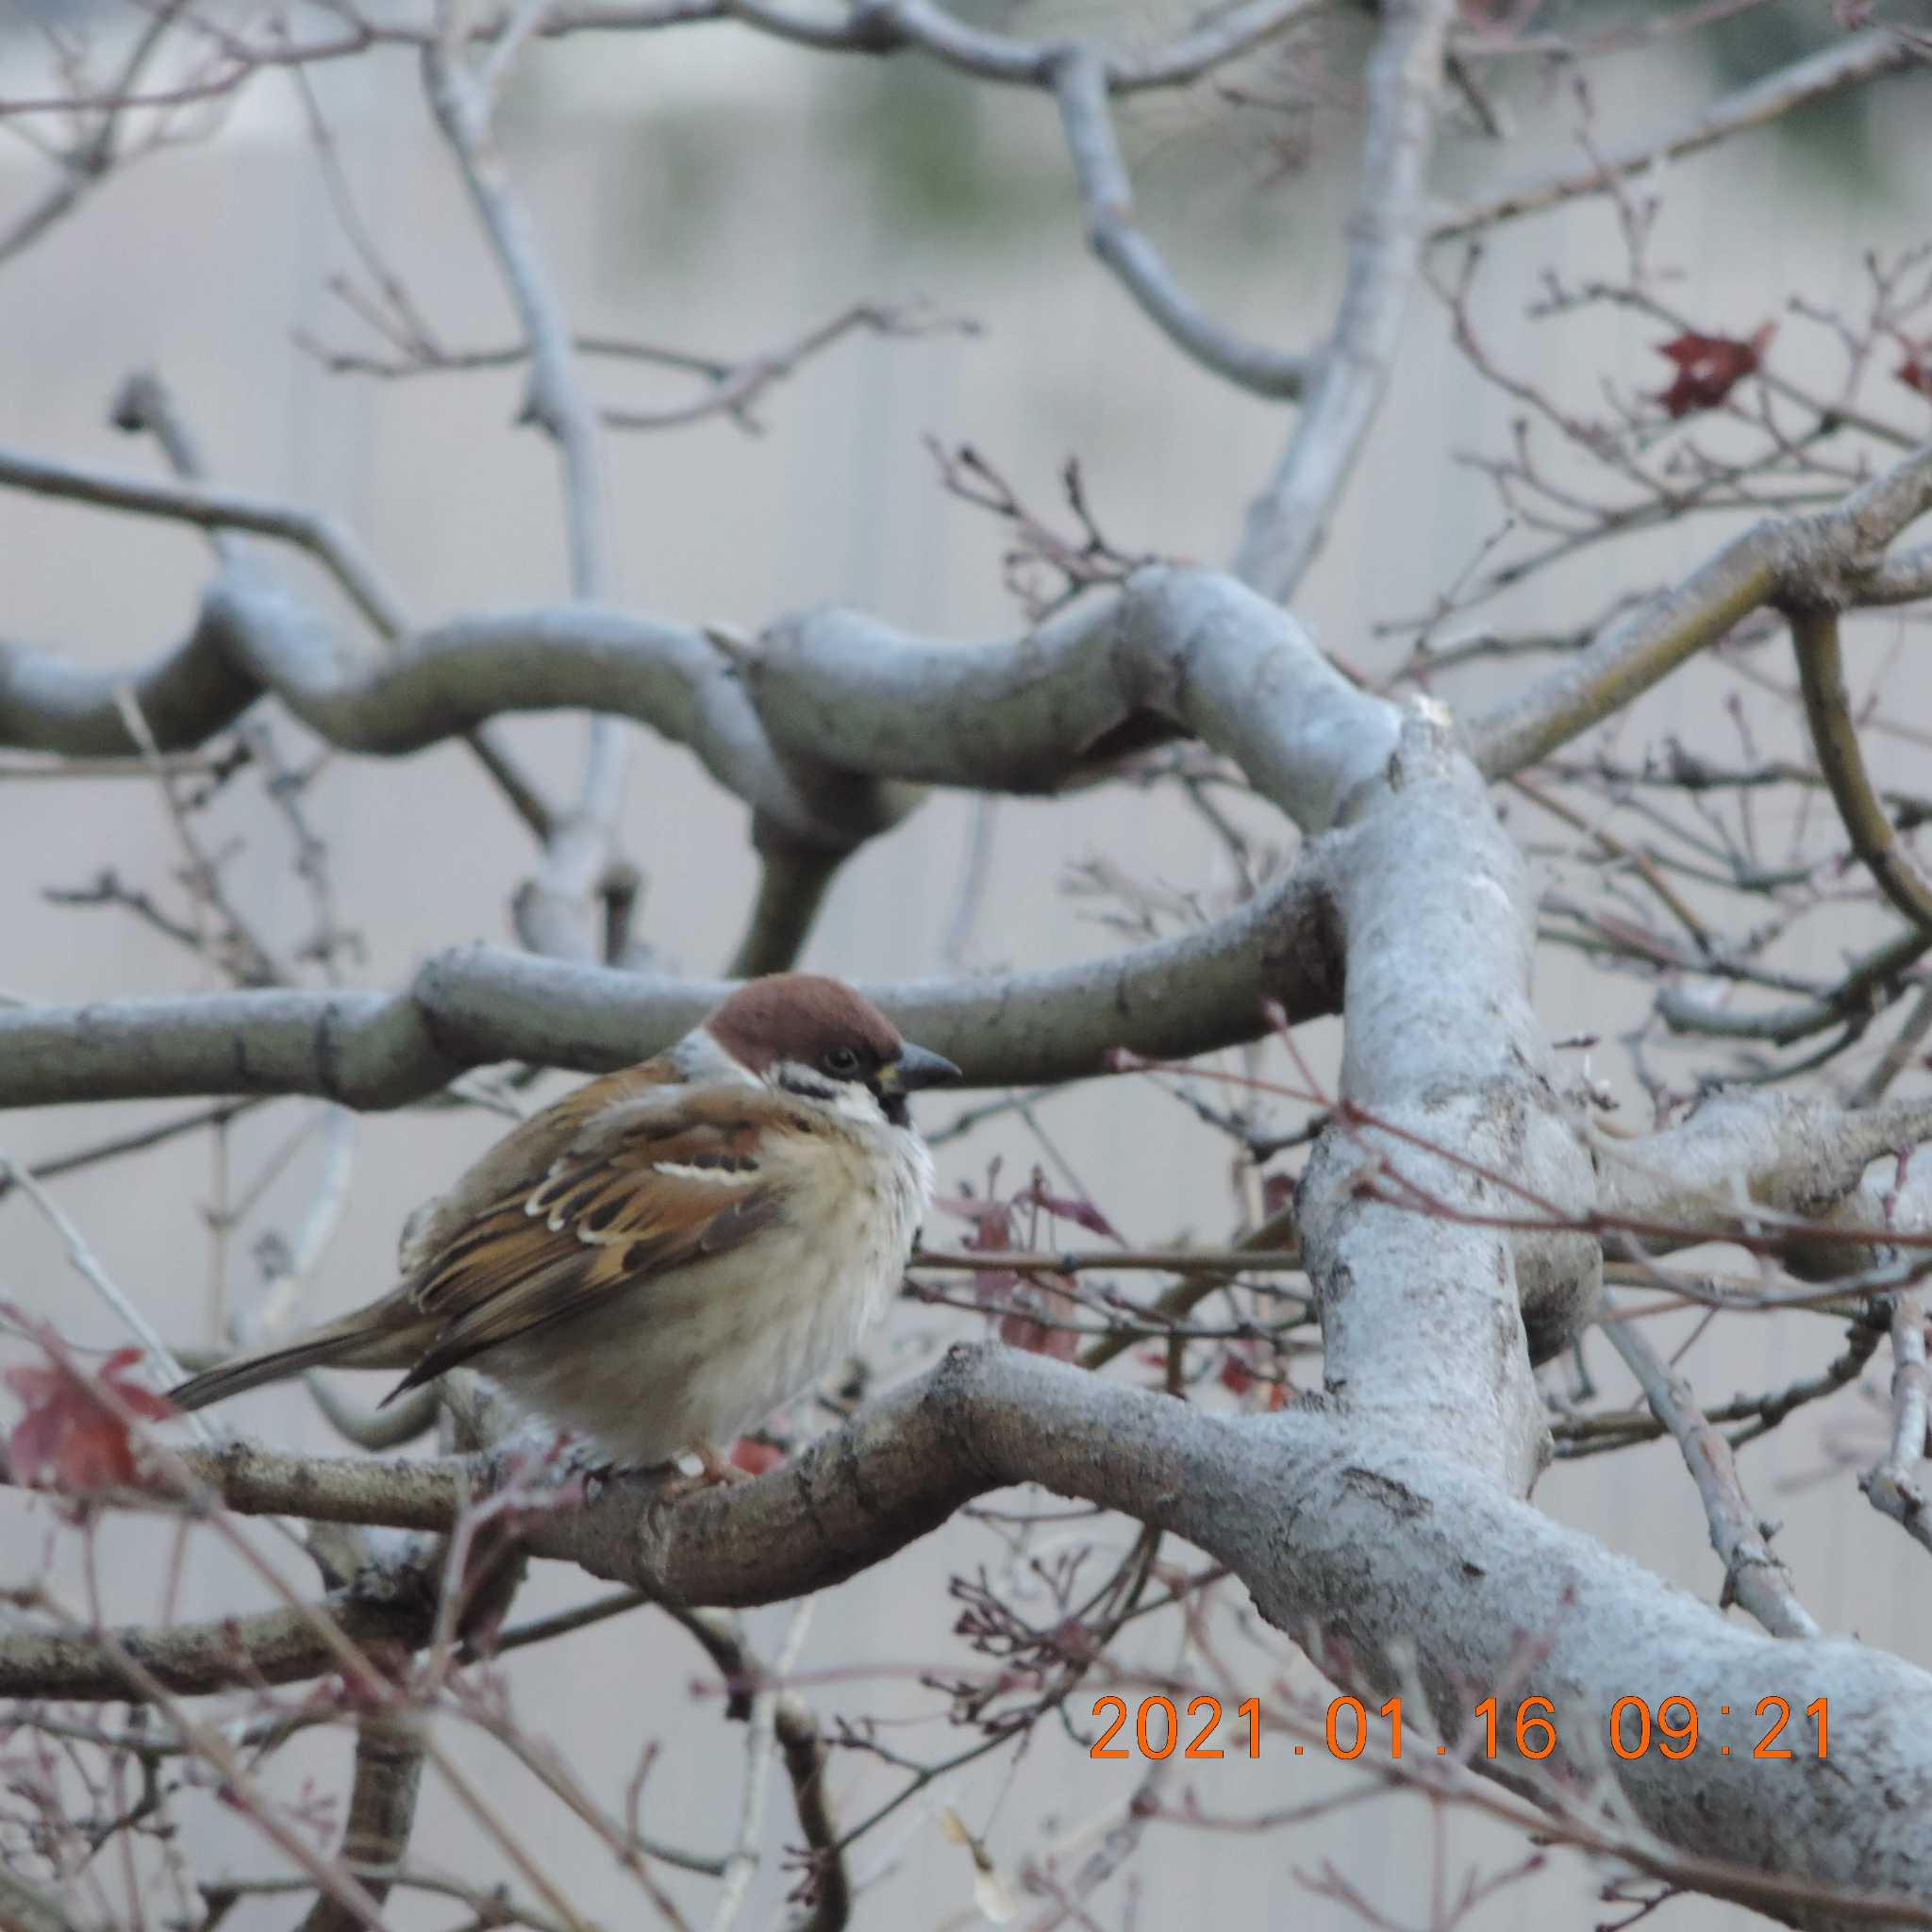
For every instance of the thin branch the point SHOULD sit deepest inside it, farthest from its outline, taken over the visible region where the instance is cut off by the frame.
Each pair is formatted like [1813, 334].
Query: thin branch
[556, 912]
[1854, 60]
[334, 547]
[25, 1908]
[89, 1265]
[1753, 1575]
[1892, 1487]
[1287, 522]
[1835, 738]
[144, 403]
[741, 1862]
[1106, 200]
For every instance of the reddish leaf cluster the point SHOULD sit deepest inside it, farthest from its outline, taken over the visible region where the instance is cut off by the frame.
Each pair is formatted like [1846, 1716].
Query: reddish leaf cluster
[73, 1435]
[1915, 371]
[1035, 1302]
[1709, 368]
[1239, 1377]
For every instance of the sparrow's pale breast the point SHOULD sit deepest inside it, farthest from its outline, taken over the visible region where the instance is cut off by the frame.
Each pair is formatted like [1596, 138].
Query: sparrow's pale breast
[702, 1355]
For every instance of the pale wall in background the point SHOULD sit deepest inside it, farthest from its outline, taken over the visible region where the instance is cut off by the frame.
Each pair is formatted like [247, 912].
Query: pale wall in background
[710, 192]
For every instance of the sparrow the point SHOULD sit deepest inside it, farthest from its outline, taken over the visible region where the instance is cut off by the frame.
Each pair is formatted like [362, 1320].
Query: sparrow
[663, 1256]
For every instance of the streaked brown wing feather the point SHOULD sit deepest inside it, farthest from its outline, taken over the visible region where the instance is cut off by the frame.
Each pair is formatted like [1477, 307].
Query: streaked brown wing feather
[522, 1158]
[642, 1191]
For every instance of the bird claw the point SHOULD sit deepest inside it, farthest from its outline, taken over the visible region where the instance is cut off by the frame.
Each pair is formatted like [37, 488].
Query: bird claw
[715, 1473]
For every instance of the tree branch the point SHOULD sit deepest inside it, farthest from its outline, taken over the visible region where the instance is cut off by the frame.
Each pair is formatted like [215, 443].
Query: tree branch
[1368, 1539]
[1859, 59]
[1799, 560]
[1835, 738]
[382, 1810]
[1753, 1575]
[1287, 520]
[284, 1645]
[1106, 201]
[481, 1005]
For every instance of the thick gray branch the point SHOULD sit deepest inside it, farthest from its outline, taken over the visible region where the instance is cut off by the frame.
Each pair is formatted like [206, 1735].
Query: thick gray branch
[479, 1004]
[1177, 652]
[1368, 1539]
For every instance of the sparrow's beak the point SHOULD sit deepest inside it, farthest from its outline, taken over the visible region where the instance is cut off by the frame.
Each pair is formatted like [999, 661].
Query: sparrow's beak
[916, 1068]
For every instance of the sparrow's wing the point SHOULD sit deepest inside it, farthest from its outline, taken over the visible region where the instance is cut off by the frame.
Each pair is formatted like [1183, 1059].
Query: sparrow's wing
[649, 1187]
[523, 1158]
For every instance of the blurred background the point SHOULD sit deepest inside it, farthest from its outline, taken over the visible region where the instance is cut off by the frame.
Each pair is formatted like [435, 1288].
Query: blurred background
[716, 191]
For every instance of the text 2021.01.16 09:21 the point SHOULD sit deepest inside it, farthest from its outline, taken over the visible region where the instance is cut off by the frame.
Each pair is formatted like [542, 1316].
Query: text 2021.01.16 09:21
[1672, 1728]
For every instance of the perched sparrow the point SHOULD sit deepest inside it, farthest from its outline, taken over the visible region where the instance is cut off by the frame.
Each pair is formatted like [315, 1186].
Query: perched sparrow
[663, 1257]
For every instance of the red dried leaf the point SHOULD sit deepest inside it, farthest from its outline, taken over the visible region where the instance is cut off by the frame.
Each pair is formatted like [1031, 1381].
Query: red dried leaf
[71, 1437]
[1027, 1325]
[993, 1220]
[993, 1287]
[755, 1457]
[1709, 368]
[1036, 1338]
[1915, 371]
[1235, 1376]
[1069, 1207]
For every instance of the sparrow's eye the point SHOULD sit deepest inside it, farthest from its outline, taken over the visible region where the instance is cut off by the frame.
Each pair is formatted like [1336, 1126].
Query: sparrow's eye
[840, 1062]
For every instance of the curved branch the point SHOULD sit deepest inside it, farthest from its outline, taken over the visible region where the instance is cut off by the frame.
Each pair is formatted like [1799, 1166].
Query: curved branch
[1177, 652]
[1106, 201]
[887, 26]
[1835, 738]
[1287, 522]
[1358, 1532]
[187, 694]
[332, 545]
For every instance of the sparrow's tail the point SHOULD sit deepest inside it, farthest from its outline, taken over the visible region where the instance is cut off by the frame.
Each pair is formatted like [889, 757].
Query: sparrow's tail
[349, 1343]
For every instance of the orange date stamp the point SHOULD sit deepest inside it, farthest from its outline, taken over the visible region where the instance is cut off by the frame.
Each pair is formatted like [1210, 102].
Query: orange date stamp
[1672, 1729]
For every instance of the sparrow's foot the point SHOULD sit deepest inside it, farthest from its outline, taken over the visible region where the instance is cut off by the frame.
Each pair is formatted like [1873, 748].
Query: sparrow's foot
[714, 1472]
[716, 1469]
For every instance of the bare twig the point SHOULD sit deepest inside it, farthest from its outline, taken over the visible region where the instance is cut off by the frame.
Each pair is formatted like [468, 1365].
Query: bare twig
[1894, 1486]
[1835, 738]
[1854, 60]
[1752, 1574]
